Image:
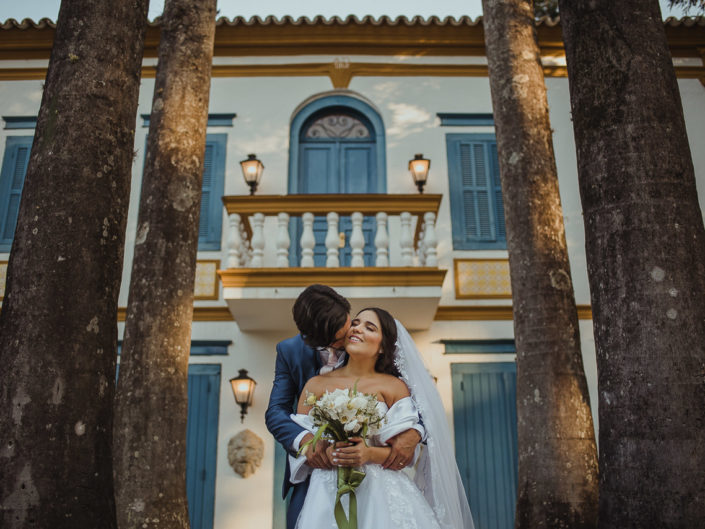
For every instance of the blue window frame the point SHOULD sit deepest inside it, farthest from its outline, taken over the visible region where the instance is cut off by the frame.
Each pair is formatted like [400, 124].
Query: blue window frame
[14, 168]
[211, 222]
[476, 205]
[210, 227]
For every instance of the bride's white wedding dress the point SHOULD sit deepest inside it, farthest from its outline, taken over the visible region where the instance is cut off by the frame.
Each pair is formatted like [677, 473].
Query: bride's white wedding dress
[385, 498]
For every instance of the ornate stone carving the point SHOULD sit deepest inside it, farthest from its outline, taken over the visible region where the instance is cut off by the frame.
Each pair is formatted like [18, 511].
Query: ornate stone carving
[245, 452]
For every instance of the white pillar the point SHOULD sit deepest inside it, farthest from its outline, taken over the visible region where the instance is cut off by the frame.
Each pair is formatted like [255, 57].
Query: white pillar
[382, 240]
[332, 241]
[283, 240]
[308, 241]
[357, 241]
[234, 241]
[406, 240]
[430, 239]
[257, 240]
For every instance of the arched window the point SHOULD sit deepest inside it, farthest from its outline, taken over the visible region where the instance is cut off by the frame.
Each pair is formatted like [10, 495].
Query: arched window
[336, 146]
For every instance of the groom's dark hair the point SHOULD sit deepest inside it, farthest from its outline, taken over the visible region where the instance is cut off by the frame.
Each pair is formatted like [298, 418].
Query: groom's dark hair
[319, 313]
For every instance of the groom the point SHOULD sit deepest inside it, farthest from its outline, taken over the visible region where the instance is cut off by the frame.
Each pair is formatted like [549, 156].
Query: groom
[323, 319]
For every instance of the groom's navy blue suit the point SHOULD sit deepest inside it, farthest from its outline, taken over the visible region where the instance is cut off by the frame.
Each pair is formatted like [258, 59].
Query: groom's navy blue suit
[296, 364]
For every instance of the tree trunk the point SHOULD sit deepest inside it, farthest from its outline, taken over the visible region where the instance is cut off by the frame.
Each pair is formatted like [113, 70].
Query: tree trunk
[58, 327]
[557, 453]
[645, 248]
[151, 405]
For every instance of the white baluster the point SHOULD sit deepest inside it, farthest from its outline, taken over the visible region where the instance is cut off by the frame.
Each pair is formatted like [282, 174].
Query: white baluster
[382, 241]
[421, 250]
[332, 241]
[234, 241]
[257, 240]
[308, 241]
[430, 241]
[406, 240]
[283, 240]
[357, 241]
[245, 249]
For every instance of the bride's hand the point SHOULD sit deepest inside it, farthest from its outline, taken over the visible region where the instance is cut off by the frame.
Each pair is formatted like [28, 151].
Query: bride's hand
[350, 455]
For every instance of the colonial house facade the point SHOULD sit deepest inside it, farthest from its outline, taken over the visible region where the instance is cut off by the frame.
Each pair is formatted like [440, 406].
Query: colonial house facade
[335, 110]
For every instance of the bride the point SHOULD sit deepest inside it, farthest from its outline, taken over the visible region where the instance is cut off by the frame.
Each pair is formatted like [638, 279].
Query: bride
[384, 360]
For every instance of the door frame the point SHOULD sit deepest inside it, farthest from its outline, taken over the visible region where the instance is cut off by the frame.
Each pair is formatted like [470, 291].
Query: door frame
[330, 99]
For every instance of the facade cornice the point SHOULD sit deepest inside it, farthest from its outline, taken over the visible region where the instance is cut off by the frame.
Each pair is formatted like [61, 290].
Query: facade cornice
[350, 36]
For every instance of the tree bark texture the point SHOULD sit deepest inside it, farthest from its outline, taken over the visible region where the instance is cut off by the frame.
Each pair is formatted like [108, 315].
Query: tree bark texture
[151, 405]
[645, 248]
[58, 328]
[556, 439]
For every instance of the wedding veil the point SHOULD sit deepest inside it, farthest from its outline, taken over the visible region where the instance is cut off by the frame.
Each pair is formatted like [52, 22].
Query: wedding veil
[437, 473]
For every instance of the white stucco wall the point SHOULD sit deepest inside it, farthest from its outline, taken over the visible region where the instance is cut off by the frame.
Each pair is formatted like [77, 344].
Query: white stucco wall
[408, 106]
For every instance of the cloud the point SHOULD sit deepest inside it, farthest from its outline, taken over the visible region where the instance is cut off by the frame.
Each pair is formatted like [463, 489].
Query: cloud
[408, 119]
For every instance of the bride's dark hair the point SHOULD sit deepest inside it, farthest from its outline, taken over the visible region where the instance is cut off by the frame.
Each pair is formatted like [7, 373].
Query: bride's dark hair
[385, 361]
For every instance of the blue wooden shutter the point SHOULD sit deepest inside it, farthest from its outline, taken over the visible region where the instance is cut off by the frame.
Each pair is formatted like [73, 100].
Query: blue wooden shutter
[477, 209]
[484, 412]
[14, 168]
[211, 221]
[202, 442]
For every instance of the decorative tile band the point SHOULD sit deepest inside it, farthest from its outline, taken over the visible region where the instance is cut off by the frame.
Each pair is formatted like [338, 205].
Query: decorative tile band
[482, 279]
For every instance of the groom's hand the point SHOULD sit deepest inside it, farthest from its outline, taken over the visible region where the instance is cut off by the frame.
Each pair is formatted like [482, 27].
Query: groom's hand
[317, 458]
[403, 447]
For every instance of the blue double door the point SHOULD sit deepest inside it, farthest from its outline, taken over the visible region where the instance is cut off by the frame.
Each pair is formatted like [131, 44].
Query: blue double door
[201, 442]
[333, 163]
[484, 413]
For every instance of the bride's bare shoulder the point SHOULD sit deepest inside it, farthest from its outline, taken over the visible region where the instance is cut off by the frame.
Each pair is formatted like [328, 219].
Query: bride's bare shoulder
[393, 388]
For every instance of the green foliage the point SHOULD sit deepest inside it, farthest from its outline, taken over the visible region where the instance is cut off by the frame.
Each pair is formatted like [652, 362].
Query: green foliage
[698, 5]
[549, 8]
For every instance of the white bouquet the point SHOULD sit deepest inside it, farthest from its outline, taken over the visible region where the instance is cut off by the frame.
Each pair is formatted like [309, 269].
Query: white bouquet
[342, 414]
[339, 415]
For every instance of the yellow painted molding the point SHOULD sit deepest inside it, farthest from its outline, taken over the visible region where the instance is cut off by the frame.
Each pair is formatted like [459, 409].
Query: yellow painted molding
[584, 312]
[242, 38]
[199, 314]
[340, 75]
[473, 313]
[322, 204]
[490, 313]
[335, 277]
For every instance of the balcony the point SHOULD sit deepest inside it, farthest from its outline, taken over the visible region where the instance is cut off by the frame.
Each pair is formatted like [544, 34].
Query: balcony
[375, 249]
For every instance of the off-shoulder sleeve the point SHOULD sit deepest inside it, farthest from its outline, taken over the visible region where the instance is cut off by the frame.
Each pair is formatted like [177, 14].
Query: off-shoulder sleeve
[297, 465]
[402, 416]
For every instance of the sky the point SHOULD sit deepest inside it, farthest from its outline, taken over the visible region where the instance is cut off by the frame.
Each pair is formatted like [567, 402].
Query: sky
[37, 9]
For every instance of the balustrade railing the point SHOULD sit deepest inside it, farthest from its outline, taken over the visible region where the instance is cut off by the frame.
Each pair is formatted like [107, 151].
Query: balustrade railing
[408, 221]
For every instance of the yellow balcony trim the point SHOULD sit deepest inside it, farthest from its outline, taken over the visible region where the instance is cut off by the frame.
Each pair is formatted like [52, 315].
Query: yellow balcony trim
[367, 204]
[335, 277]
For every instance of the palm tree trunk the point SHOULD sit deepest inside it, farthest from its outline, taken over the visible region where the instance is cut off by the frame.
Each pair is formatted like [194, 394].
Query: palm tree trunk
[645, 248]
[556, 438]
[58, 331]
[151, 405]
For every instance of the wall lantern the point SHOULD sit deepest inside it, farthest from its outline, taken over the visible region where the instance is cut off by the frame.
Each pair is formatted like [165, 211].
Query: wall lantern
[419, 167]
[252, 171]
[243, 389]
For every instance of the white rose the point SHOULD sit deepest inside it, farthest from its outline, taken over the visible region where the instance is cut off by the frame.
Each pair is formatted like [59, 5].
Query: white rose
[352, 426]
[358, 402]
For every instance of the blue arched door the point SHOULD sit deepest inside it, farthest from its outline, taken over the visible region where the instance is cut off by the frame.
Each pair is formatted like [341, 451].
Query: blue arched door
[337, 151]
